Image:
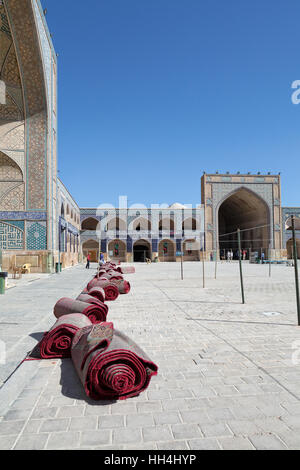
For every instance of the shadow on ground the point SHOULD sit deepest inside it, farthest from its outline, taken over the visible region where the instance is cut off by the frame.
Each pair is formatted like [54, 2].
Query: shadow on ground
[72, 386]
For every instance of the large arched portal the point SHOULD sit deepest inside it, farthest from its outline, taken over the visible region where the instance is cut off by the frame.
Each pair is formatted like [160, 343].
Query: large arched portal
[117, 250]
[141, 251]
[290, 248]
[247, 211]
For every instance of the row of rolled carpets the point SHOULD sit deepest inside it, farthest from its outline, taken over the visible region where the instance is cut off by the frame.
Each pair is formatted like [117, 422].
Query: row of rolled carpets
[109, 364]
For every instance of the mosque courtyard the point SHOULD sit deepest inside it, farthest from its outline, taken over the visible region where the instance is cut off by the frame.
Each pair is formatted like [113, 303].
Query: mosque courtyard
[228, 373]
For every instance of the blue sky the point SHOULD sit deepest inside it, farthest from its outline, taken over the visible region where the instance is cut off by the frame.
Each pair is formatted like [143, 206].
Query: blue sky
[154, 92]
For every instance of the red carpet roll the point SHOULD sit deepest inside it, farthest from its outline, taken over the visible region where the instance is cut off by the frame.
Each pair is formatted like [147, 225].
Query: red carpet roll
[122, 286]
[127, 269]
[100, 291]
[90, 299]
[95, 313]
[109, 364]
[111, 291]
[57, 342]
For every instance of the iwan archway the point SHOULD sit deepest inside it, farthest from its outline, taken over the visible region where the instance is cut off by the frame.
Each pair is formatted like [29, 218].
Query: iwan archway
[117, 250]
[141, 251]
[245, 210]
[91, 247]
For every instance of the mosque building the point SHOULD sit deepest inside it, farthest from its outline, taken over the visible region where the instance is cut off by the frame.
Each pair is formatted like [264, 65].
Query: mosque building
[41, 223]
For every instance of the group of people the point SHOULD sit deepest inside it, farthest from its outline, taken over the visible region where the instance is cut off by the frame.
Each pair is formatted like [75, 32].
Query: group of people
[230, 255]
[88, 260]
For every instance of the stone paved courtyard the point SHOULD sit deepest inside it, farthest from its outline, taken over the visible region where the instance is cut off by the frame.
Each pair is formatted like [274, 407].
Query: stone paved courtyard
[226, 377]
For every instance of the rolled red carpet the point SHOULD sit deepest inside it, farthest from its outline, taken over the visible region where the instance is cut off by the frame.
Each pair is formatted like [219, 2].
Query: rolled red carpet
[109, 364]
[90, 299]
[95, 313]
[122, 285]
[127, 269]
[100, 292]
[56, 343]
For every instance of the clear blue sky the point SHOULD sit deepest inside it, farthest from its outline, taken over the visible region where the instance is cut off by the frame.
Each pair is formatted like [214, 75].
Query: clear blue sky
[154, 92]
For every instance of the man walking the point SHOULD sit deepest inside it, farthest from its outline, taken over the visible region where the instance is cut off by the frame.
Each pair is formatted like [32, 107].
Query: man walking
[88, 261]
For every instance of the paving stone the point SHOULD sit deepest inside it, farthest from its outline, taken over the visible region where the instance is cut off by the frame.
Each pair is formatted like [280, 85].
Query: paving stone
[32, 426]
[127, 435]
[166, 417]
[39, 413]
[157, 433]
[32, 442]
[70, 411]
[11, 427]
[14, 415]
[139, 420]
[52, 425]
[204, 444]
[185, 431]
[6, 442]
[97, 410]
[267, 442]
[84, 423]
[111, 421]
[196, 416]
[172, 445]
[235, 443]
[215, 430]
[95, 438]
[63, 440]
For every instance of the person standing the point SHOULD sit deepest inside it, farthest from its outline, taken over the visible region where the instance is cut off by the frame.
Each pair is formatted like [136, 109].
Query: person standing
[88, 261]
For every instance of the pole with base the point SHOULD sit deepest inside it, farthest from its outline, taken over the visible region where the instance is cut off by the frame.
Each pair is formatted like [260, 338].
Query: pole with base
[240, 264]
[216, 263]
[296, 269]
[203, 270]
[181, 260]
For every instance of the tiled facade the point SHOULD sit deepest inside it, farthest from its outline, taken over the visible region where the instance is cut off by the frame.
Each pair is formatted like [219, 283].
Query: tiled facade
[28, 135]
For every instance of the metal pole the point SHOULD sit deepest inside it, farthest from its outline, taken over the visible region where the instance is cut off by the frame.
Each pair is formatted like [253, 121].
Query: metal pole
[240, 264]
[181, 261]
[296, 269]
[203, 271]
[216, 263]
[0, 259]
[270, 262]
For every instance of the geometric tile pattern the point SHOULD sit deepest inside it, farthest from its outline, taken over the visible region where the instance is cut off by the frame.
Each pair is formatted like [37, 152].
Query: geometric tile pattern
[12, 198]
[9, 170]
[11, 237]
[36, 236]
[29, 57]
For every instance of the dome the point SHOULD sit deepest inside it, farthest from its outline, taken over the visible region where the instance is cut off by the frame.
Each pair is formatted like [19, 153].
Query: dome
[177, 205]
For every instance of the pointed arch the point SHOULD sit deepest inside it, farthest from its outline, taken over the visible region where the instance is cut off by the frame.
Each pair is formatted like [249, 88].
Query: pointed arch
[247, 210]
